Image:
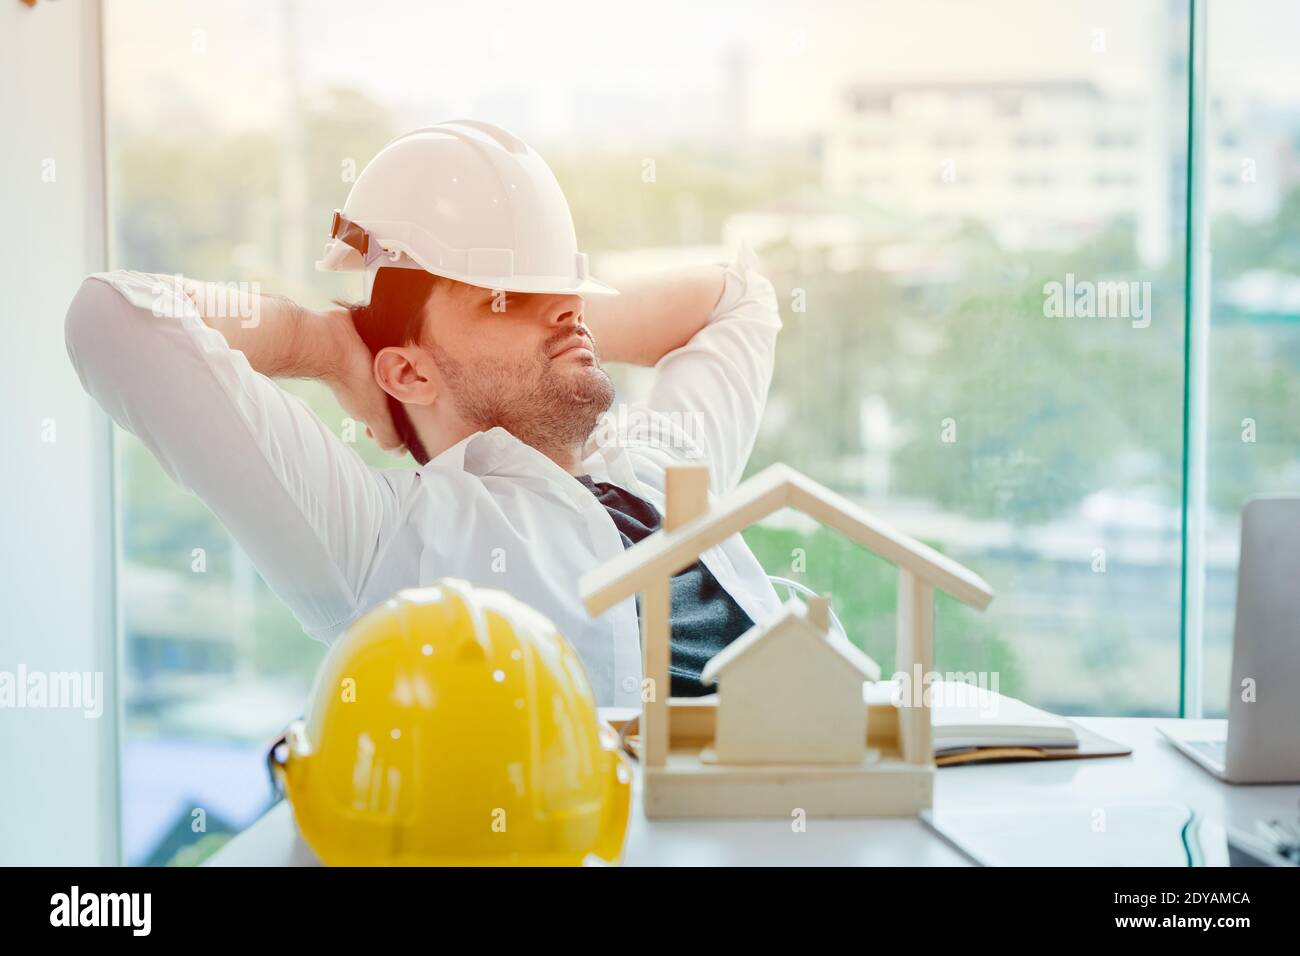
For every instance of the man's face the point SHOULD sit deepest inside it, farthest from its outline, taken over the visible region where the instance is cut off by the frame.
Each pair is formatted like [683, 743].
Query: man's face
[522, 361]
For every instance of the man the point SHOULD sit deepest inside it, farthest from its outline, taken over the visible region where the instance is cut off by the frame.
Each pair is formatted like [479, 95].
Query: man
[491, 379]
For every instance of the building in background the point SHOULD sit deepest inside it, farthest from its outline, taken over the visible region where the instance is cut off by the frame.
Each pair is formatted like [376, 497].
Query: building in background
[1041, 163]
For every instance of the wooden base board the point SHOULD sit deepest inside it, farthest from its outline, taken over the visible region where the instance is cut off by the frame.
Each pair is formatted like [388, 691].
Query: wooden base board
[692, 721]
[686, 788]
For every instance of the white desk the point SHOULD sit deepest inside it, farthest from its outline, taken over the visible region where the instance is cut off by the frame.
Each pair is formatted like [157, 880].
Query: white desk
[1155, 773]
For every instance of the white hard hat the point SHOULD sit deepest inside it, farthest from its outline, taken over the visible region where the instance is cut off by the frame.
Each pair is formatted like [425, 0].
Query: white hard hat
[466, 200]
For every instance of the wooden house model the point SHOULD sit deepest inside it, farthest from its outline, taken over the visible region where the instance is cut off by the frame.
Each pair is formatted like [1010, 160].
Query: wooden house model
[763, 748]
[790, 692]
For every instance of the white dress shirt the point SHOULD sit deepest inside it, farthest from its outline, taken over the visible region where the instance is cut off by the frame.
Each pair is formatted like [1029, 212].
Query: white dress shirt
[333, 536]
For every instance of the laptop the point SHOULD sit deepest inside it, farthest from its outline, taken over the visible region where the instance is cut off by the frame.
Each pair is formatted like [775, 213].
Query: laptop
[1260, 741]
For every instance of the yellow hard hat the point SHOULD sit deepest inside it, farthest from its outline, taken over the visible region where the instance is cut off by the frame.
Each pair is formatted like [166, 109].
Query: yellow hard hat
[454, 725]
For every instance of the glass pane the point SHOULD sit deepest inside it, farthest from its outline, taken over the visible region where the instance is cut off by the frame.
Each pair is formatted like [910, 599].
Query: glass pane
[1253, 190]
[973, 215]
[982, 198]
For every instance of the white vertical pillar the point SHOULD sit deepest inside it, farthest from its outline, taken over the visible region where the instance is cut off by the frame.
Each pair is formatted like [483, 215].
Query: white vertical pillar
[59, 801]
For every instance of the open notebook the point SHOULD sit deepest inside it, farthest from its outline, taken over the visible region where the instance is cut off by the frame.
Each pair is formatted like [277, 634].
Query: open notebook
[966, 716]
[976, 725]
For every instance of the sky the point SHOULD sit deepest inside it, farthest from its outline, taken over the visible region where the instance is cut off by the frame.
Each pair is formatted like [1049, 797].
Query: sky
[579, 67]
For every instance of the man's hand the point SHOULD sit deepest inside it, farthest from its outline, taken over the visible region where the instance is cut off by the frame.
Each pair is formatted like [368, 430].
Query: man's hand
[653, 314]
[354, 383]
[287, 340]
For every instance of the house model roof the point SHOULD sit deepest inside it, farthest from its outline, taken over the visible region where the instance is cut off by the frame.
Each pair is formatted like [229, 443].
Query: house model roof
[794, 614]
[665, 552]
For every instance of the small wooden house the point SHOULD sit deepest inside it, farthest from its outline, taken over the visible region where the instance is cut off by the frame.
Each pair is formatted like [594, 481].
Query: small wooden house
[790, 692]
[679, 737]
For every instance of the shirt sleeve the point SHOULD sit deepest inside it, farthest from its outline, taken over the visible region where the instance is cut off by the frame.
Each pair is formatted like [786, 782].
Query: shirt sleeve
[715, 386]
[311, 515]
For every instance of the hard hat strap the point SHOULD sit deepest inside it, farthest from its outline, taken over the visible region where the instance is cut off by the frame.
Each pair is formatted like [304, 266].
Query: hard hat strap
[355, 235]
[275, 758]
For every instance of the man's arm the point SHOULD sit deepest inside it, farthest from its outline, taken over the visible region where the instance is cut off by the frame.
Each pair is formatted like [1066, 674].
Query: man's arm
[282, 339]
[721, 331]
[654, 314]
[311, 515]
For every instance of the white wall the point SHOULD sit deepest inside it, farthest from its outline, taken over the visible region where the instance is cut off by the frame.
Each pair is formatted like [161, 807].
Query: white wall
[58, 769]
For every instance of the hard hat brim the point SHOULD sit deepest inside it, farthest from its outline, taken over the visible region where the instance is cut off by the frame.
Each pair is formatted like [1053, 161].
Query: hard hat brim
[340, 257]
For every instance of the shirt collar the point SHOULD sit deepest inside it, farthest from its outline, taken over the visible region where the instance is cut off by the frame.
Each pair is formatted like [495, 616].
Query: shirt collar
[497, 452]
[481, 453]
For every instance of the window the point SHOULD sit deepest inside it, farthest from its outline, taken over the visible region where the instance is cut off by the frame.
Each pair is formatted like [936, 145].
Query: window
[997, 373]
[1252, 425]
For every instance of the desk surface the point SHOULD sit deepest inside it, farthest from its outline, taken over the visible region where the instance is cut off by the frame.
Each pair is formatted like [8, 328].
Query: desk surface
[1155, 773]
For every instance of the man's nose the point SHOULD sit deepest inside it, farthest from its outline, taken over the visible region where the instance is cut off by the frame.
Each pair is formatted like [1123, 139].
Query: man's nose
[564, 310]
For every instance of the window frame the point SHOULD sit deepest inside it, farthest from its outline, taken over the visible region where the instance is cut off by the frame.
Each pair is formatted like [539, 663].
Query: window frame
[1194, 435]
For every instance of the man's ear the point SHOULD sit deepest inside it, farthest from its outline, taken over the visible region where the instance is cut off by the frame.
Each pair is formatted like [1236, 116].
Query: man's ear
[408, 374]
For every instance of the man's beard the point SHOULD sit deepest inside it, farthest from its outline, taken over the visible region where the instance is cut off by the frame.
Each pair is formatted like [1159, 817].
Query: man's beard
[542, 404]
